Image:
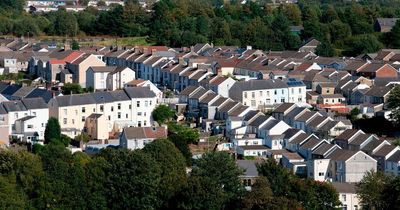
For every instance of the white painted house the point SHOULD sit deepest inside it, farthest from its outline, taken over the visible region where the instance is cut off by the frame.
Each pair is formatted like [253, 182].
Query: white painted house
[96, 77]
[119, 77]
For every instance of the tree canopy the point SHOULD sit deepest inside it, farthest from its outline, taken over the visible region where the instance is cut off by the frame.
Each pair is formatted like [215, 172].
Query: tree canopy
[348, 26]
[163, 113]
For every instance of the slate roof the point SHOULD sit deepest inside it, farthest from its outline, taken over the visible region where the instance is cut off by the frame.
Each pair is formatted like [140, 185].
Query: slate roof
[101, 69]
[250, 115]
[23, 91]
[344, 187]
[219, 101]
[310, 143]
[289, 133]
[11, 89]
[139, 92]
[341, 154]
[395, 157]
[34, 103]
[42, 93]
[209, 97]
[25, 118]
[306, 116]
[238, 110]
[385, 150]
[297, 110]
[378, 91]
[254, 147]
[249, 167]
[299, 138]
[228, 106]
[283, 107]
[145, 132]
[270, 124]
[372, 145]
[188, 90]
[292, 156]
[323, 148]
[345, 135]
[259, 120]
[14, 106]
[359, 139]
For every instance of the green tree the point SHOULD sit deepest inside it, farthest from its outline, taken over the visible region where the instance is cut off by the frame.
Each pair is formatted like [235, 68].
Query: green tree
[71, 88]
[75, 45]
[219, 167]
[370, 189]
[394, 36]
[133, 178]
[391, 193]
[325, 49]
[278, 177]
[354, 113]
[163, 113]
[364, 44]
[394, 103]
[52, 131]
[173, 168]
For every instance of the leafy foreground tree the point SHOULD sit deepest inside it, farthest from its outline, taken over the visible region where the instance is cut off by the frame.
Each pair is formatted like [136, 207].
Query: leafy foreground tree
[325, 49]
[162, 113]
[371, 188]
[173, 168]
[309, 193]
[182, 136]
[261, 197]
[52, 131]
[213, 184]
[394, 103]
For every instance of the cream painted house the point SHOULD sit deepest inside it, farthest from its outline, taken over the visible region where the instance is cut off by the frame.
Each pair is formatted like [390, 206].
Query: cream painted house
[96, 126]
[79, 67]
[129, 107]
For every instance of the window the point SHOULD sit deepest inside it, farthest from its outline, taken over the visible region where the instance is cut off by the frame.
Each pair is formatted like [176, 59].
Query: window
[30, 126]
[282, 92]
[146, 103]
[260, 93]
[73, 121]
[267, 92]
[130, 106]
[321, 174]
[137, 103]
[283, 100]
[126, 116]
[119, 115]
[83, 109]
[245, 94]
[275, 92]
[101, 108]
[144, 113]
[65, 111]
[112, 108]
[42, 125]
[343, 197]
[299, 90]
[76, 112]
[119, 106]
[139, 124]
[327, 90]
[83, 118]
[144, 123]
[253, 103]
[151, 102]
[292, 91]
[109, 117]
[34, 113]
[253, 94]
[65, 121]
[139, 113]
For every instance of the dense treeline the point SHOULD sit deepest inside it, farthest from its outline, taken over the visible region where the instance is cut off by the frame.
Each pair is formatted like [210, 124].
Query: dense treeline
[344, 27]
[379, 191]
[152, 178]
